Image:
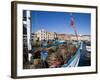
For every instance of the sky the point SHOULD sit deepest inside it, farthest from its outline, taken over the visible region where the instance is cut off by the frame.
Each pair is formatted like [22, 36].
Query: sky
[59, 22]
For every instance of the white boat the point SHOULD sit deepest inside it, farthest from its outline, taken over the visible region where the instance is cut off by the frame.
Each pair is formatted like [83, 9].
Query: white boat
[74, 60]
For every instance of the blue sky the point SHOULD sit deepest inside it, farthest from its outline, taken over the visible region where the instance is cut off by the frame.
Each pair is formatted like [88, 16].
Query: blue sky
[60, 22]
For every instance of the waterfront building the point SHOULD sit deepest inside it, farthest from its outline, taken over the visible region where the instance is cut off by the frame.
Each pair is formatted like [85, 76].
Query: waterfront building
[41, 34]
[51, 35]
[45, 35]
[86, 38]
[63, 37]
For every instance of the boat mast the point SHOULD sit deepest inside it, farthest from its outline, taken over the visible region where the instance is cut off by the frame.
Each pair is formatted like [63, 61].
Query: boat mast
[73, 25]
[28, 22]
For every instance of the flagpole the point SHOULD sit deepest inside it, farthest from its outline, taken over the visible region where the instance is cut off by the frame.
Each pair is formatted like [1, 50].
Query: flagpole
[76, 33]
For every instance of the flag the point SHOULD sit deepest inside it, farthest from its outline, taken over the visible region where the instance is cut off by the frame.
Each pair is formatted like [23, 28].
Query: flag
[71, 20]
[72, 24]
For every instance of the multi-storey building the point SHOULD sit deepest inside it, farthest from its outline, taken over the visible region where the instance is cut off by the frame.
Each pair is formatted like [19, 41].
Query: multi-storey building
[73, 37]
[86, 38]
[81, 37]
[45, 35]
[41, 34]
[51, 35]
[63, 37]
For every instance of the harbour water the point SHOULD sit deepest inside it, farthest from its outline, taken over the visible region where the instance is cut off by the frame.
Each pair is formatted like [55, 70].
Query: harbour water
[85, 58]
